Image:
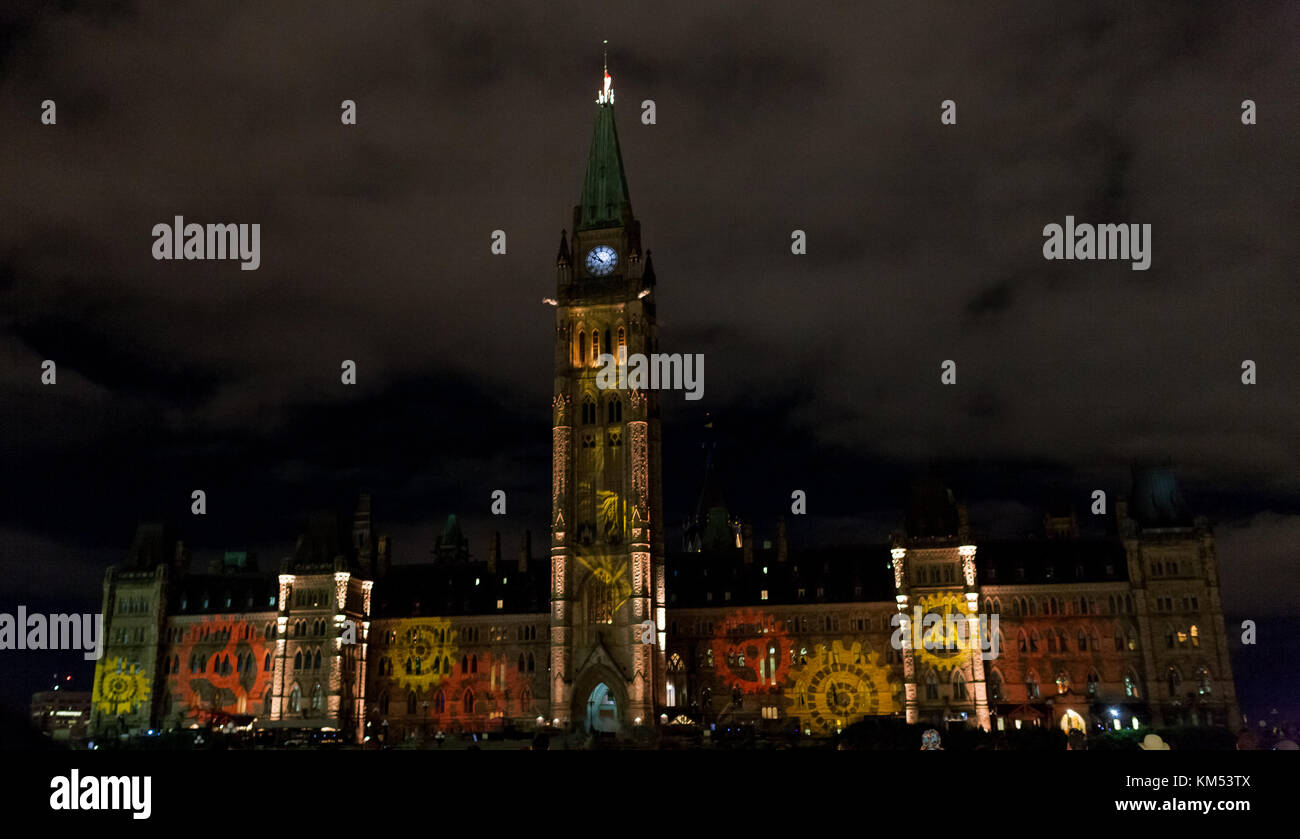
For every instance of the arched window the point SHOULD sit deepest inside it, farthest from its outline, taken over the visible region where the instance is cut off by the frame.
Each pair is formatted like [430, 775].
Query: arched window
[1203, 681]
[588, 410]
[1023, 641]
[1173, 680]
[1051, 642]
[315, 665]
[317, 697]
[608, 337]
[473, 663]
[1015, 607]
[1031, 685]
[521, 662]
[1131, 686]
[595, 344]
[1033, 640]
[1196, 636]
[1062, 682]
[1093, 680]
[1169, 637]
[297, 660]
[467, 702]
[295, 699]
[383, 703]
[622, 344]
[614, 410]
[1083, 640]
[464, 664]
[931, 685]
[958, 686]
[532, 663]
[995, 685]
[440, 703]
[1130, 639]
[582, 348]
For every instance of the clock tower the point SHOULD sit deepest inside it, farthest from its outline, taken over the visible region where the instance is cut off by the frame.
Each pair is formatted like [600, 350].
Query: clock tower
[608, 596]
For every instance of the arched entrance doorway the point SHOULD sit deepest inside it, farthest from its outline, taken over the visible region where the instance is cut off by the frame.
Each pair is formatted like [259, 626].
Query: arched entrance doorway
[1072, 721]
[602, 710]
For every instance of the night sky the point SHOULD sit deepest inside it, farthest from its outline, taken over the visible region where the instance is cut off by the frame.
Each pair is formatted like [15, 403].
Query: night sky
[821, 371]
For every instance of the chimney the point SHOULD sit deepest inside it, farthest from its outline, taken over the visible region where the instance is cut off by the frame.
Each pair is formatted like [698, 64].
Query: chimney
[525, 550]
[747, 542]
[782, 551]
[494, 552]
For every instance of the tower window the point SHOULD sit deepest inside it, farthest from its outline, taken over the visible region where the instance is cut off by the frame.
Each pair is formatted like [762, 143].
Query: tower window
[614, 410]
[582, 347]
[595, 344]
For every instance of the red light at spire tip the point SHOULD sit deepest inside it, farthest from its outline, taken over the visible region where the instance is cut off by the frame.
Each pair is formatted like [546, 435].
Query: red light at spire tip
[606, 96]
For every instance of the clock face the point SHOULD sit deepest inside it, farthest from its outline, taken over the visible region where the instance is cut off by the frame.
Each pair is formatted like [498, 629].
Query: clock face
[601, 260]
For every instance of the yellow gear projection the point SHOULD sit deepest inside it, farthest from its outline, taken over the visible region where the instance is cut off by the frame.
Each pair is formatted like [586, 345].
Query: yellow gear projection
[117, 693]
[949, 650]
[854, 684]
[424, 652]
[611, 573]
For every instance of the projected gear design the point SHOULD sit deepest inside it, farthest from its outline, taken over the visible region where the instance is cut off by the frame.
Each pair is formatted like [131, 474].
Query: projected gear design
[610, 577]
[218, 689]
[122, 692]
[424, 653]
[838, 688]
[751, 651]
[946, 648]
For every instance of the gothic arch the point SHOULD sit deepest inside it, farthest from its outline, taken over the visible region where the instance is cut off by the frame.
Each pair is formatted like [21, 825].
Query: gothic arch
[586, 684]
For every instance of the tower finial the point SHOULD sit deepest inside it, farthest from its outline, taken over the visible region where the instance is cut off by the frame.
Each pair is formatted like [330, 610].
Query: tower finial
[606, 96]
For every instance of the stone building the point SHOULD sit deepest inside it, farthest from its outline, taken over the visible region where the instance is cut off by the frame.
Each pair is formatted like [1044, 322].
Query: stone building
[607, 630]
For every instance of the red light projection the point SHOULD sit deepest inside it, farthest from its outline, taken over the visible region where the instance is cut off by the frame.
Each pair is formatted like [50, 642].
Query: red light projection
[481, 694]
[219, 669]
[751, 652]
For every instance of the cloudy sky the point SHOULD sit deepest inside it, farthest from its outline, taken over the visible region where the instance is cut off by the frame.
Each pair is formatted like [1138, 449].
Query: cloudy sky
[822, 370]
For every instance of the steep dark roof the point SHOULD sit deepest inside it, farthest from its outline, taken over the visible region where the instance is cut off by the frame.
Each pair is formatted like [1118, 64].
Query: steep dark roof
[1155, 501]
[208, 594]
[444, 590]
[843, 575]
[153, 545]
[931, 511]
[325, 537]
[1051, 561]
[604, 189]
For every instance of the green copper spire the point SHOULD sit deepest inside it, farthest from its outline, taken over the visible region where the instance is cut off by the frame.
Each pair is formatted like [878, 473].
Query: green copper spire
[604, 190]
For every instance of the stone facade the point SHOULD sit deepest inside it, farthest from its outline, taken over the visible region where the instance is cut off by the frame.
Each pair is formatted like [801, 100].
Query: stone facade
[608, 631]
